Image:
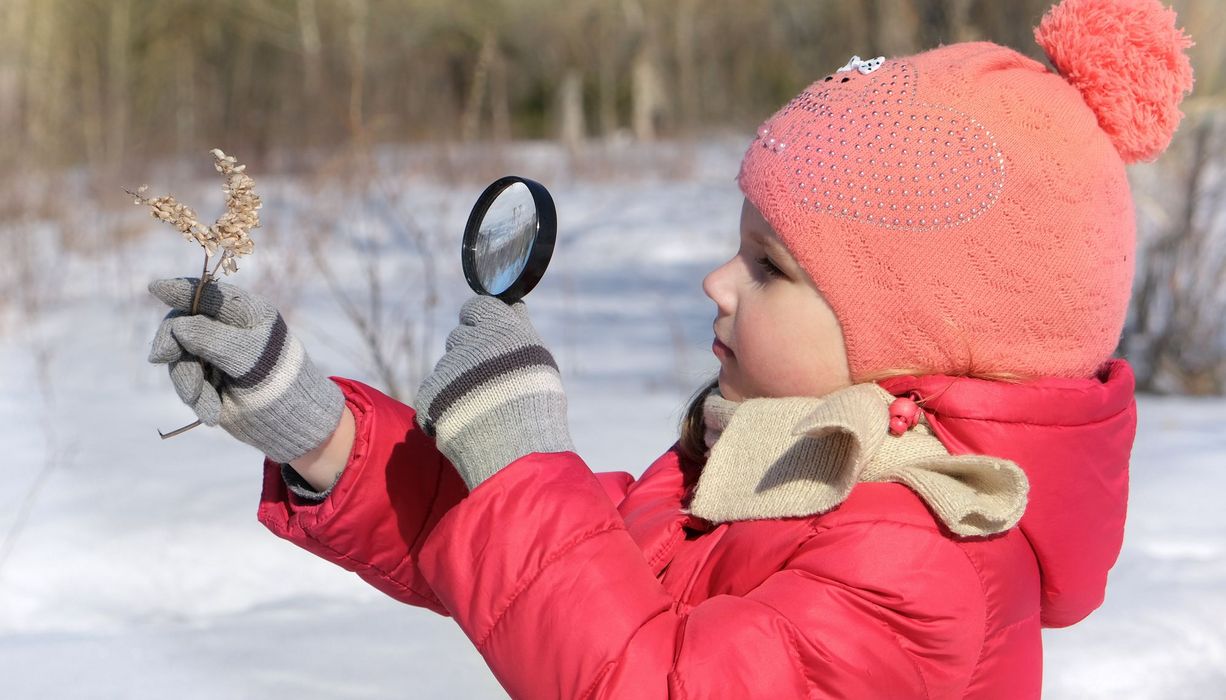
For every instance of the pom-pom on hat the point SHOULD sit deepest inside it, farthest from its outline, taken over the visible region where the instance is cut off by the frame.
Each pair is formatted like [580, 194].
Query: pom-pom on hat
[965, 210]
[1127, 59]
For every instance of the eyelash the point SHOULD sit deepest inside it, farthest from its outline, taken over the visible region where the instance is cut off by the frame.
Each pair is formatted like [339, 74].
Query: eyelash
[769, 268]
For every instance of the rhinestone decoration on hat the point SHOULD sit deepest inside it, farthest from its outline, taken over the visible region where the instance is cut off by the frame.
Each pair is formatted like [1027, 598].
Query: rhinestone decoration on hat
[862, 147]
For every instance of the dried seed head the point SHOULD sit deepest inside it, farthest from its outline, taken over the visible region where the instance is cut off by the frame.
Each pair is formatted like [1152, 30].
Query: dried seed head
[229, 234]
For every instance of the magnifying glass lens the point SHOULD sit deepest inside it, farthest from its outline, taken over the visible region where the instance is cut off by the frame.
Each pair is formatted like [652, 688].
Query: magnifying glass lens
[505, 238]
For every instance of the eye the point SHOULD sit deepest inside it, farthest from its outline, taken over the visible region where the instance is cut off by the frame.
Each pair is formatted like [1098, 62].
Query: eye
[768, 267]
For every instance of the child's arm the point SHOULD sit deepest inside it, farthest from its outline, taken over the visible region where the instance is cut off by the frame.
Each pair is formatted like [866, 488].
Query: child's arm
[238, 366]
[321, 466]
[394, 485]
[392, 491]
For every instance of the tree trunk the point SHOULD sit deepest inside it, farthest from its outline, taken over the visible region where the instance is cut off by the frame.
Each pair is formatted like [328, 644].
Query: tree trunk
[312, 63]
[470, 121]
[357, 69]
[118, 77]
[571, 128]
[45, 84]
[500, 101]
[186, 103]
[687, 73]
[13, 19]
[92, 112]
[606, 82]
[647, 93]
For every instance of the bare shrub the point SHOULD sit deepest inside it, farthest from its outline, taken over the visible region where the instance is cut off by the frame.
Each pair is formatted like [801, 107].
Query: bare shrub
[350, 231]
[1176, 331]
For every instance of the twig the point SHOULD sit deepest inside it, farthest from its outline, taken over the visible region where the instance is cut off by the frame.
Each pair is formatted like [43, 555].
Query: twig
[205, 276]
[179, 431]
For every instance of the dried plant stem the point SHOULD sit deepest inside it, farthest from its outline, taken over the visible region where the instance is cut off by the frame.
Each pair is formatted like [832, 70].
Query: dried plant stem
[205, 275]
[205, 278]
[179, 431]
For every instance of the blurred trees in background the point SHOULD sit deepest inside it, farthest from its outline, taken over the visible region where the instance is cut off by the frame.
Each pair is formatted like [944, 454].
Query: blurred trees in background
[97, 81]
[111, 84]
[101, 81]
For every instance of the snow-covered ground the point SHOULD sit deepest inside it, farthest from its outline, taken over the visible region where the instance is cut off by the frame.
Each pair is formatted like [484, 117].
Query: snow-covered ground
[132, 567]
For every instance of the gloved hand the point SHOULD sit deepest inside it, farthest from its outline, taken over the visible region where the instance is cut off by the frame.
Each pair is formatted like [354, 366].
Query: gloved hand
[495, 395]
[238, 366]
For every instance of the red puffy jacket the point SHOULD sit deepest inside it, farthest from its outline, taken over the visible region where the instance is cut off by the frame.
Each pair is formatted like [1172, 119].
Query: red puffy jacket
[575, 585]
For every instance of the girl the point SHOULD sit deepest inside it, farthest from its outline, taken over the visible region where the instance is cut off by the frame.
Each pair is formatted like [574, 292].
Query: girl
[915, 455]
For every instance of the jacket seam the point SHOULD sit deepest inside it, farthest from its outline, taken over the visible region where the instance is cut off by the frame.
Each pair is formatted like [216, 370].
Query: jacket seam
[661, 551]
[817, 528]
[1016, 623]
[906, 654]
[527, 581]
[998, 421]
[957, 413]
[367, 566]
[679, 683]
[591, 688]
[794, 655]
[983, 637]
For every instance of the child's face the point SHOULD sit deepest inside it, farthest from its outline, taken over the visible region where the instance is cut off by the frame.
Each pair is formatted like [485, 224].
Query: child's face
[779, 336]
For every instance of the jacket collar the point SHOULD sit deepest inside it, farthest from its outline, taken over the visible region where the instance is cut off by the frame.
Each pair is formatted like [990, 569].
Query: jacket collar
[1073, 438]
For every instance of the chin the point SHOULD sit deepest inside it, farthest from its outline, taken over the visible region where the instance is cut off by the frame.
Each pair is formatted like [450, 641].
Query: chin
[727, 391]
[730, 391]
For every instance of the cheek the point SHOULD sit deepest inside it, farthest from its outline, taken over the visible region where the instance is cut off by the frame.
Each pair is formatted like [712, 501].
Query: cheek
[771, 351]
[781, 357]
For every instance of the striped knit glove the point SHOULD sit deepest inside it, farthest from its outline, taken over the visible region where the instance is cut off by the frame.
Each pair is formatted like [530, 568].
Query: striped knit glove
[238, 366]
[495, 395]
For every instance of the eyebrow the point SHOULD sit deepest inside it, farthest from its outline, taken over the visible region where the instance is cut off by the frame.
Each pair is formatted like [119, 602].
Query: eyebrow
[771, 244]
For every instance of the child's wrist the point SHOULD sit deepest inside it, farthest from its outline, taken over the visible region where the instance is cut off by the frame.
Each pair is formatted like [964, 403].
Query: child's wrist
[321, 467]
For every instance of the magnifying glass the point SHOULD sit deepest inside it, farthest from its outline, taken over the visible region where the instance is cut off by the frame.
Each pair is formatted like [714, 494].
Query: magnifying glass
[509, 238]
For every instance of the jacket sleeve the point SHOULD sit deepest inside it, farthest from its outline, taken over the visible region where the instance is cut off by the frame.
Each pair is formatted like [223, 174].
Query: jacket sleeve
[539, 571]
[395, 488]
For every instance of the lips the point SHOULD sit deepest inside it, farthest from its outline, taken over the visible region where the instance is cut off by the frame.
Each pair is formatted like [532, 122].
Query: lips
[721, 351]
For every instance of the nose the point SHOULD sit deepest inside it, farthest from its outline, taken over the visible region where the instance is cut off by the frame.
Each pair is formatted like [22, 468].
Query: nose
[715, 285]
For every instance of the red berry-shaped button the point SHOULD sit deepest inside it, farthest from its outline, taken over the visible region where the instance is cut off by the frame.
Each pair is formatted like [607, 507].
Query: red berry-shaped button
[904, 414]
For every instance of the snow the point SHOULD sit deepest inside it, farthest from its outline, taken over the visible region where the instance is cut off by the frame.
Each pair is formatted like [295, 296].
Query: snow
[134, 567]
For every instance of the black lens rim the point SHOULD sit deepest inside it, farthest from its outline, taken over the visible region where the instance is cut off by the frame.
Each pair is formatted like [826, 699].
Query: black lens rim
[540, 252]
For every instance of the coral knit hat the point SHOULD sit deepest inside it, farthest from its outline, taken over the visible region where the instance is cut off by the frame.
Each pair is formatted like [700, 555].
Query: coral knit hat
[965, 210]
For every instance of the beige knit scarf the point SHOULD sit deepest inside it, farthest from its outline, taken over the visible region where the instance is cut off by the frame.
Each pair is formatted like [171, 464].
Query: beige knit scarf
[783, 457]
